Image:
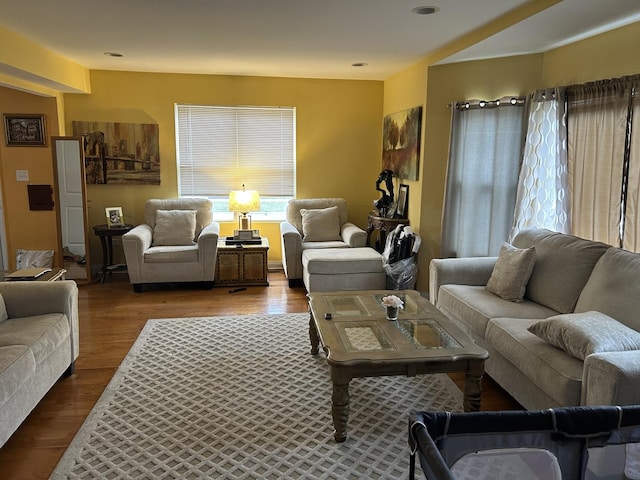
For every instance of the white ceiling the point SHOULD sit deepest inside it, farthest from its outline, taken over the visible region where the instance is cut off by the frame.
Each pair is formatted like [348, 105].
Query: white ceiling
[293, 38]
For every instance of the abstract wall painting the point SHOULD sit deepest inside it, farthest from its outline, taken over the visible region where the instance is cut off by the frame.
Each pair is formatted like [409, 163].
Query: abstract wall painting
[401, 143]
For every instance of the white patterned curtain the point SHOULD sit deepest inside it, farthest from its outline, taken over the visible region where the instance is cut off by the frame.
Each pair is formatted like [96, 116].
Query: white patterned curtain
[597, 133]
[543, 187]
[482, 176]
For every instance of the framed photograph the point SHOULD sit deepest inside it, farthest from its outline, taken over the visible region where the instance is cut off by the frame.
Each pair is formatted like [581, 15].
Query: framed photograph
[24, 130]
[403, 201]
[114, 216]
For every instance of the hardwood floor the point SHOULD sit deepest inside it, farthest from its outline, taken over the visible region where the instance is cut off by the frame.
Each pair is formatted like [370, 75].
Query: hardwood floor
[111, 317]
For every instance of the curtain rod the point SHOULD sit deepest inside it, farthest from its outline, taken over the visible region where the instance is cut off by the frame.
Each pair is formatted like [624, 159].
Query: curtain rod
[473, 104]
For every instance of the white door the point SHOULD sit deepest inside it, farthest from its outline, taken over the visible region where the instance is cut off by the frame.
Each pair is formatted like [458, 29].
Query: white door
[70, 197]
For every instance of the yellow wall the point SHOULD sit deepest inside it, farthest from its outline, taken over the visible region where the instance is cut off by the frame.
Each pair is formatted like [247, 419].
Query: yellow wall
[36, 63]
[339, 134]
[607, 55]
[489, 79]
[32, 230]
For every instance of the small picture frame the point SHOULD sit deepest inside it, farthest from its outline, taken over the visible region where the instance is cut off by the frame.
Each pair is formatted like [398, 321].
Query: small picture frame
[114, 216]
[403, 201]
[24, 130]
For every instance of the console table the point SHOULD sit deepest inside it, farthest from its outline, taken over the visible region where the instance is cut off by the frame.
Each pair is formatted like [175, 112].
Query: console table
[106, 235]
[382, 225]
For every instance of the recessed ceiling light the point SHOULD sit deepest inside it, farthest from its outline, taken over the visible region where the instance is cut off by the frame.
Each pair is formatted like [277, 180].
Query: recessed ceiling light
[113, 54]
[359, 64]
[425, 10]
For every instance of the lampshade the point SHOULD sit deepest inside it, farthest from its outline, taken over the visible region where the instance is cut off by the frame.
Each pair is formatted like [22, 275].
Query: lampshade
[244, 201]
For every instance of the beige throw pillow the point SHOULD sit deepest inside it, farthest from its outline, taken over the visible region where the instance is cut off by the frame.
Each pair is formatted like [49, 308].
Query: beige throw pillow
[511, 272]
[581, 334]
[320, 225]
[174, 227]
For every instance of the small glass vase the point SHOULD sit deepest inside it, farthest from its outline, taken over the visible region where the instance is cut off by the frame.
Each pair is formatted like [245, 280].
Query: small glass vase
[392, 313]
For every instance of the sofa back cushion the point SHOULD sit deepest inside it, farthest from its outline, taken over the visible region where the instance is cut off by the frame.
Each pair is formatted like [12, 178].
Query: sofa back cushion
[563, 266]
[294, 217]
[202, 207]
[614, 287]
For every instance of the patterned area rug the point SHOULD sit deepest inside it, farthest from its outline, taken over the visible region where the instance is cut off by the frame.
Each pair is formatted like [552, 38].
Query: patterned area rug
[242, 398]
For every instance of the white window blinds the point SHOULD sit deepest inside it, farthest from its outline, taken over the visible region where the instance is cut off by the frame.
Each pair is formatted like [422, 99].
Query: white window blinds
[221, 148]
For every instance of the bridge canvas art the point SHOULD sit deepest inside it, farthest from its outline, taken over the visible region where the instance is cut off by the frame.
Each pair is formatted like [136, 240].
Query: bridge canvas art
[120, 153]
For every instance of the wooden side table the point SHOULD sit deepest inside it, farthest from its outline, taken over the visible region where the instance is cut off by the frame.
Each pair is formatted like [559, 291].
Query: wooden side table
[106, 235]
[382, 225]
[242, 265]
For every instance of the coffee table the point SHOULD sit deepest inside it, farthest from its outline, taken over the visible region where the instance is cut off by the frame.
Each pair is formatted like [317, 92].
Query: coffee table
[360, 342]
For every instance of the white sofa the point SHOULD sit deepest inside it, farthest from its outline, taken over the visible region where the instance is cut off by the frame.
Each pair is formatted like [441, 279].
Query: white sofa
[298, 234]
[570, 276]
[172, 247]
[38, 344]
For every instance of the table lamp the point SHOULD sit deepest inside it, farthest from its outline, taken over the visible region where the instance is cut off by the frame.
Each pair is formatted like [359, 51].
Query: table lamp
[244, 201]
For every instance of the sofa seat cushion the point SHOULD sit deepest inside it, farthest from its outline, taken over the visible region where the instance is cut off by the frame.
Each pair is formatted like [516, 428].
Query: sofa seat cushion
[342, 261]
[313, 245]
[614, 288]
[562, 267]
[17, 365]
[555, 372]
[475, 305]
[41, 333]
[176, 254]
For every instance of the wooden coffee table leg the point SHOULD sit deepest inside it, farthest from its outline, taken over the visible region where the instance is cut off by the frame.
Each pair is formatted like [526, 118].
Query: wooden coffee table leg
[313, 336]
[472, 386]
[340, 409]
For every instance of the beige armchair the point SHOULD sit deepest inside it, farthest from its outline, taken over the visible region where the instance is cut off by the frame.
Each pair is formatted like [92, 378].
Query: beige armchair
[177, 242]
[315, 223]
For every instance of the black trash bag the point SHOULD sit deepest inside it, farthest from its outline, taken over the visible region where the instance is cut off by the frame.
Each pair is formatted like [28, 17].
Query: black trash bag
[399, 258]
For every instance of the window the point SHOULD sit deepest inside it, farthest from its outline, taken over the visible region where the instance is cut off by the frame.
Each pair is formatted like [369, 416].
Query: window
[581, 171]
[482, 176]
[219, 149]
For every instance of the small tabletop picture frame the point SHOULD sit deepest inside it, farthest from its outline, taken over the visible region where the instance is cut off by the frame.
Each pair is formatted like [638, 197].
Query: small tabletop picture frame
[25, 130]
[114, 216]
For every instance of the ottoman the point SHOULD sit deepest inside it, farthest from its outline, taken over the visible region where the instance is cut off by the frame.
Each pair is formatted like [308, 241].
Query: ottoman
[336, 269]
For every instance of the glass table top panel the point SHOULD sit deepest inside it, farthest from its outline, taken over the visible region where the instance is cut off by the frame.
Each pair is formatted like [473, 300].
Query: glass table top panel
[347, 306]
[368, 305]
[426, 334]
[363, 337]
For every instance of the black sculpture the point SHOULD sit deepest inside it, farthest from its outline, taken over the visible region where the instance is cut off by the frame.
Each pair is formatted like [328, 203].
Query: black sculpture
[386, 201]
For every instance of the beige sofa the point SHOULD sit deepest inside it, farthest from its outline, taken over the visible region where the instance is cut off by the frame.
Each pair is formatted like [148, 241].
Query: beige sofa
[38, 344]
[570, 276]
[170, 246]
[315, 231]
